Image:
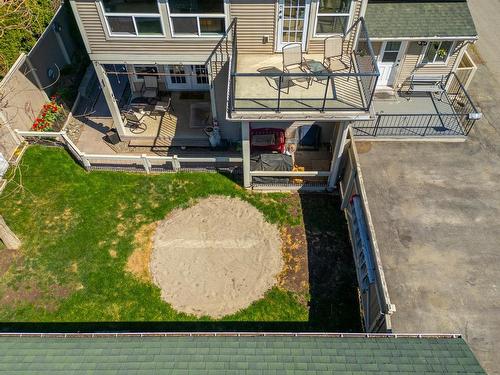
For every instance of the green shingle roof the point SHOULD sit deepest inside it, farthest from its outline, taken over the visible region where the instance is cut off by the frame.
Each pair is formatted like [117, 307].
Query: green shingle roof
[235, 355]
[420, 20]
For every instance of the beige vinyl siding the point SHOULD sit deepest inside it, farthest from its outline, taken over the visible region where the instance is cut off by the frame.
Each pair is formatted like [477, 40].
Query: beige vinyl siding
[409, 64]
[316, 45]
[94, 29]
[255, 19]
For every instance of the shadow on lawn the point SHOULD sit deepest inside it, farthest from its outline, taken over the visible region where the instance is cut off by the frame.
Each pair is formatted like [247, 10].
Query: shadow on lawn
[333, 305]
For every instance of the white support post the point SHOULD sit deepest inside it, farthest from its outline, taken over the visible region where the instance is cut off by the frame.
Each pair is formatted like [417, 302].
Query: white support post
[110, 98]
[213, 102]
[146, 163]
[337, 154]
[245, 148]
[85, 161]
[176, 164]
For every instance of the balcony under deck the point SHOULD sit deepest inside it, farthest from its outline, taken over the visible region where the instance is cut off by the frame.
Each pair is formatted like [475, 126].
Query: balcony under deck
[257, 95]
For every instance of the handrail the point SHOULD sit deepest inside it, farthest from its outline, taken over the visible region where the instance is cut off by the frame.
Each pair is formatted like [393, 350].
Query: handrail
[306, 74]
[463, 89]
[219, 43]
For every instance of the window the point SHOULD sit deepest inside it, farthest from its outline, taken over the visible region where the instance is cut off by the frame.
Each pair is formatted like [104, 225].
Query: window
[133, 17]
[197, 17]
[391, 52]
[437, 52]
[333, 17]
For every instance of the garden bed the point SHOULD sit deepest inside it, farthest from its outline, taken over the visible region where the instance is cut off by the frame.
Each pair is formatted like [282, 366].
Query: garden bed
[80, 230]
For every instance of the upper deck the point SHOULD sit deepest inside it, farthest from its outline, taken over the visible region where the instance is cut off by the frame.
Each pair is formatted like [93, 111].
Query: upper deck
[260, 88]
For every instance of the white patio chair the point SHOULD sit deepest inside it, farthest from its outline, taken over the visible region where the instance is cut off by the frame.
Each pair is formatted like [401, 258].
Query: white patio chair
[150, 87]
[333, 53]
[293, 62]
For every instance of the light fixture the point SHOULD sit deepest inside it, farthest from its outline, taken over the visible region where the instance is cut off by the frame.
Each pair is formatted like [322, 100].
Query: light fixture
[422, 43]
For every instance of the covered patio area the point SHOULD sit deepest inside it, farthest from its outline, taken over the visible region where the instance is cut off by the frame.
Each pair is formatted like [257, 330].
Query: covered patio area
[149, 122]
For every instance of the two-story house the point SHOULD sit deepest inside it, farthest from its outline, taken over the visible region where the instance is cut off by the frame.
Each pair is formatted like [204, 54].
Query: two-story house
[286, 76]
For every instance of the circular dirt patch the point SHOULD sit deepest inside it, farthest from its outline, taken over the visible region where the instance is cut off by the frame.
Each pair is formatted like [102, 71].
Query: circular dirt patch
[216, 257]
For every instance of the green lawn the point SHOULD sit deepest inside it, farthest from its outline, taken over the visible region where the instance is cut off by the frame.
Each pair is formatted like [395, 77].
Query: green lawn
[78, 231]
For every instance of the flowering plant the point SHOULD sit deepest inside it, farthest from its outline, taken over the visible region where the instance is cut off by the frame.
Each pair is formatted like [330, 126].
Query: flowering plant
[50, 113]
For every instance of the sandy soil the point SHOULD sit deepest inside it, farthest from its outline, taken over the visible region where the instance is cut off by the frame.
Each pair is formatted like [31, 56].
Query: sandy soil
[216, 257]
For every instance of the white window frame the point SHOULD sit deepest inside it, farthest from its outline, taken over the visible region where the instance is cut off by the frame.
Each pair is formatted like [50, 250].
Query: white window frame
[318, 14]
[197, 16]
[434, 62]
[133, 16]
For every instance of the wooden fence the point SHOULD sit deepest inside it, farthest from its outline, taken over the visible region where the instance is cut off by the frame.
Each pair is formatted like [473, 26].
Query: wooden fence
[374, 297]
[145, 163]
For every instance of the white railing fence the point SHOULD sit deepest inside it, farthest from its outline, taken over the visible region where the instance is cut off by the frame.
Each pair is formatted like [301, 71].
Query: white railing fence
[143, 162]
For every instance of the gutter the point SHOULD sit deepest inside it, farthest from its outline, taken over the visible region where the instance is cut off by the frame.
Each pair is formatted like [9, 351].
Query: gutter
[236, 334]
[427, 38]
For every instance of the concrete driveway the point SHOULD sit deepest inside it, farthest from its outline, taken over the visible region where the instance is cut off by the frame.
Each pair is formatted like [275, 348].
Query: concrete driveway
[436, 211]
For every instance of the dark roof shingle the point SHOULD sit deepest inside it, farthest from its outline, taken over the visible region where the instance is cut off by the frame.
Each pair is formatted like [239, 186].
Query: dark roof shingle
[238, 355]
[419, 19]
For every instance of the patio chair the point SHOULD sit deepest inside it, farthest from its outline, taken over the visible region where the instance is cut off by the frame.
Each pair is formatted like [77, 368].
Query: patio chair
[135, 123]
[293, 62]
[333, 54]
[150, 87]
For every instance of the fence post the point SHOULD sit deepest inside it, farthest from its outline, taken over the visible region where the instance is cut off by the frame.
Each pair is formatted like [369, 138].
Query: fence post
[176, 164]
[146, 163]
[85, 161]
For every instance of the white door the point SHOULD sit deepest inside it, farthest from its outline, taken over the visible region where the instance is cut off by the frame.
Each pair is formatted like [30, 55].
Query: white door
[388, 62]
[187, 77]
[293, 16]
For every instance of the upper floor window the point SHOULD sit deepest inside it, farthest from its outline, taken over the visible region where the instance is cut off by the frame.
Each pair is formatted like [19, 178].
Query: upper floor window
[333, 17]
[133, 17]
[437, 52]
[197, 17]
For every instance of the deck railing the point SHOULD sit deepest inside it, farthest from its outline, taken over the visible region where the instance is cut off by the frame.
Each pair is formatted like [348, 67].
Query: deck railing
[363, 73]
[139, 163]
[458, 122]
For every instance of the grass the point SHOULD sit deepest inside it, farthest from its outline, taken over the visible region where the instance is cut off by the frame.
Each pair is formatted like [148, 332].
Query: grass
[78, 229]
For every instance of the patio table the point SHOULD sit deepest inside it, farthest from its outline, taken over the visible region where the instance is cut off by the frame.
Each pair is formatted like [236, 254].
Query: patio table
[316, 67]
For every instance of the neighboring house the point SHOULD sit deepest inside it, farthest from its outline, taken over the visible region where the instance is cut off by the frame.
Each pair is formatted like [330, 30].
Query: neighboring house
[226, 353]
[220, 62]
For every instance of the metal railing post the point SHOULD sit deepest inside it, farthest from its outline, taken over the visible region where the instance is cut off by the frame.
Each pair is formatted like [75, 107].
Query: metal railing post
[280, 79]
[326, 93]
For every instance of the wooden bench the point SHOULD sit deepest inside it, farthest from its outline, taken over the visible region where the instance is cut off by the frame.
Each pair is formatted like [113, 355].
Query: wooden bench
[430, 84]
